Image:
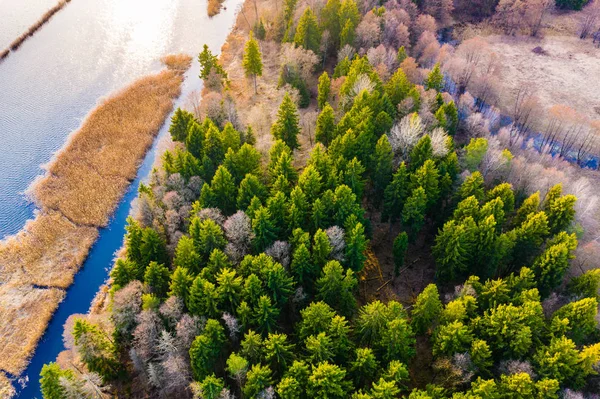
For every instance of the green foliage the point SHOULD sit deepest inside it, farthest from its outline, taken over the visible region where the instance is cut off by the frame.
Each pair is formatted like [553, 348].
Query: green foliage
[327, 381]
[398, 87]
[51, 383]
[435, 79]
[356, 244]
[395, 194]
[586, 285]
[399, 249]
[181, 280]
[421, 152]
[323, 90]
[259, 378]
[335, 288]
[286, 127]
[426, 310]
[325, 129]
[571, 4]
[413, 212]
[452, 338]
[382, 173]
[474, 153]
[206, 349]
[252, 61]
[581, 316]
[96, 350]
[208, 63]
[308, 34]
[157, 279]
[180, 122]
[207, 236]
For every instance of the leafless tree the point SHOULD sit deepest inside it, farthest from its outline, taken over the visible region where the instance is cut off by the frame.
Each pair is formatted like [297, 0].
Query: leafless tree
[589, 19]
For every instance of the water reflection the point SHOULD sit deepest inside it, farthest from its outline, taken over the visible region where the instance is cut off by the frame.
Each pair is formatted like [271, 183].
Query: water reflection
[88, 50]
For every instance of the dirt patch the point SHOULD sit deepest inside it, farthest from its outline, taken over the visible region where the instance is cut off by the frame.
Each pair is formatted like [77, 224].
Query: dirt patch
[567, 74]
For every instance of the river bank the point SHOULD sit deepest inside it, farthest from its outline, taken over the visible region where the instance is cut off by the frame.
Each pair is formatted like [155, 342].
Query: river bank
[76, 197]
[15, 44]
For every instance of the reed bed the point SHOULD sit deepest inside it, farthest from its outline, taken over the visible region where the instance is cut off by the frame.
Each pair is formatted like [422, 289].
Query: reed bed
[38, 24]
[6, 388]
[88, 176]
[25, 312]
[83, 185]
[214, 7]
[4, 53]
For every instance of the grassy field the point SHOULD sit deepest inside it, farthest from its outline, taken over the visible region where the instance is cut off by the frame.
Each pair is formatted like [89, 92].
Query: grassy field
[76, 196]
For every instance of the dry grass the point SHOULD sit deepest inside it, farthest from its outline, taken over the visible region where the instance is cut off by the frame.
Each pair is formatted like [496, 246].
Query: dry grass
[177, 62]
[48, 241]
[6, 388]
[25, 312]
[88, 176]
[214, 7]
[4, 54]
[38, 24]
[567, 74]
[84, 184]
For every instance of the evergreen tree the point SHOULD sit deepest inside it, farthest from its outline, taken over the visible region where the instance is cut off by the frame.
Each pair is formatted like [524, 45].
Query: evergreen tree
[181, 281]
[278, 352]
[382, 174]
[264, 229]
[400, 247]
[364, 366]
[310, 183]
[319, 348]
[157, 278]
[473, 185]
[51, 383]
[250, 187]
[505, 192]
[353, 177]
[398, 87]
[452, 338]
[229, 288]
[302, 267]
[133, 243]
[552, 264]
[474, 153]
[96, 350]
[194, 141]
[581, 316]
[395, 195]
[207, 236]
[208, 62]
[427, 176]
[259, 378]
[223, 190]
[435, 79]
[180, 122]
[413, 212]
[356, 245]
[427, 310]
[265, 315]
[451, 112]
[586, 285]
[123, 272]
[153, 247]
[206, 349]
[421, 152]
[561, 213]
[324, 90]
[336, 288]
[530, 205]
[325, 129]
[453, 248]
[252, 61]
[327, 381]
[308, 34]
[321, 248]
[211, 387]
[286, 127]
[330, 20]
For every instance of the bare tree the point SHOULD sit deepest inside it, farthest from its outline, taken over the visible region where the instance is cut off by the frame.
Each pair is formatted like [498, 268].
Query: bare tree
[589, 19]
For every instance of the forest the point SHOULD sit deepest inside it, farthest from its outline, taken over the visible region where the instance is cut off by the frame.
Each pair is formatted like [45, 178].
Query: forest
[341, 215]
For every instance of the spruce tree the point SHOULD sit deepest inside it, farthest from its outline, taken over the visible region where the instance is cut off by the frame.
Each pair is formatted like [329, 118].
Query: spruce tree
[264, 229]
[356, 245]
[179, 124]
[194, 141]
[224, 191]
[323, 89]
[421, 152]
[181, 280]
[302, 267]
[382, 174]
[157, 279]
[335, 288]
[325, 130]
[435, 79]
[399, 249]
[427, 310]
[308, 34]
[286, 127]
[398, 87]
[153, 247]
[395, 195]
[413, 211]
[250, 187]
[252, 61]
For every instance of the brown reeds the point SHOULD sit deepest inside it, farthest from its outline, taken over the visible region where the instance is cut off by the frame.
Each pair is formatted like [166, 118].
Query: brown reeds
[214, 7]
[6, 388]
[4, 53]
[38, 24]
[84, 184]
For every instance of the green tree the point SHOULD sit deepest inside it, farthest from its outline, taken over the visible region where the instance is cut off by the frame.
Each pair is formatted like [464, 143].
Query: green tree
[586, 285]
[153, 247]
[435, 79]
[364, 366]
[413, 212]
[505, 192]
[427, 309]
[581, 315]
[302, 267]
[310, 183]
[325, 129]
[399, 249]
[180, 123]
[133, 244]
[208, 62]
[259, 378]
[315, 318]
[421, 152]
[186, 255]
[181, 280]
[398, 87]
[382, 174]
[530, 205]
[453, 249]
[474, 153]
[278, 352]
[96, 349]
[223, 189]
[51, 381]
[286, 127]
[395, 195]
[211, 387]
[265, 315]
[252, 346]
[356, 245]
[324, 90]
[319, 348]
[427, 176]
[206, 349]
[330, 20]
[327, 381]
[252, 61]
[452, 338]
[559, 360]
[123, 272]
[473, 185]
[207, 236]
[157, 279]
[335, 288]
[481, 355]
[194, 142]
[353, 177]
[229, 288]
[250, 187]
[237, 368]
[203, 298]
[321, 248]
[308, 34]
[552, 264]
[561, 213]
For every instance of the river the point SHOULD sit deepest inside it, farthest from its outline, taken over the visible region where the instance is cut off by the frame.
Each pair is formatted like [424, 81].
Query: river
[88, 50]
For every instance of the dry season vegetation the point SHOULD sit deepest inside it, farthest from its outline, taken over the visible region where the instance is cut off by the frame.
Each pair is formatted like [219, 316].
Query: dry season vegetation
[214, 7]
[6, 388]
[77, 195]
[33, 28]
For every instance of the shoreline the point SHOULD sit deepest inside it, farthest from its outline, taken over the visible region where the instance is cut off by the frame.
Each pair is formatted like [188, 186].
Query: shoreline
[81, 189]
[15, 44]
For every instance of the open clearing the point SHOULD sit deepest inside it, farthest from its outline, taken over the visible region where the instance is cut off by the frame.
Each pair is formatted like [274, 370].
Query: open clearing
[568, 74]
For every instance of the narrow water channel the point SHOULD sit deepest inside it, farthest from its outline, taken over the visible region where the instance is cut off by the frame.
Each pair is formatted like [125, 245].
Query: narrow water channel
[88, 50]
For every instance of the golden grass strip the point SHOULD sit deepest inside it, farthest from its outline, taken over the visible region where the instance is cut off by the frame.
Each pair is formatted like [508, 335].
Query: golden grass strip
[38, 24]
[6, 388]
[214, 7]
[88, 176]
[47, 252]
[25, 312]
[83, 186]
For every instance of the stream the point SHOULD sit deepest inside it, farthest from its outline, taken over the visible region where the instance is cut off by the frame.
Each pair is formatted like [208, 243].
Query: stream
[85, 52]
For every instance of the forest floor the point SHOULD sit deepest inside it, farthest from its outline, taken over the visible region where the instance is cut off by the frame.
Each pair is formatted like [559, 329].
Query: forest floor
[82, 187]
[566, 73]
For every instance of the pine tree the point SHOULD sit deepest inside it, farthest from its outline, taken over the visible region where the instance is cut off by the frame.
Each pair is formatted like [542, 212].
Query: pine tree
[427, 176]
[181, 280]
[250, 187]
[207, 236]
[453, 249]
[364, 366]
[398, 87]
[302, 267]
[157, 278]
[551, 265]
[395, 195]
[308, 34]
[51, 382]
[529, 206]
[194, 141]
[310, 183]
[286, 127]
[211, 387]
[265, 315]
[582, 318]
[133, 243]
[321, 248]
[325, 130]
[353, 177]
[223, 189]
[336, 288]
[327, 381]
[356, 245]
[586, 285]
[180, 123]
[435, 79]
[451, 112]
[427, 310]
[208, 62]
[330, 20]
[421, 152]
[474, 153]
[278, 352]
[96, 350]
[399, 250]
[473, 185]
[413, 211]
[231, 138]
[561, 213]
[206, 349]
[252, 61]
[153, 247]
[123, 272]
[505, 192]
[382, 174]
[258, 379]
[264, 229]
[324, 90]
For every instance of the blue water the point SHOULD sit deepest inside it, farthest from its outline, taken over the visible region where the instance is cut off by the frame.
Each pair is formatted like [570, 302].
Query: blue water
[32, 127]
